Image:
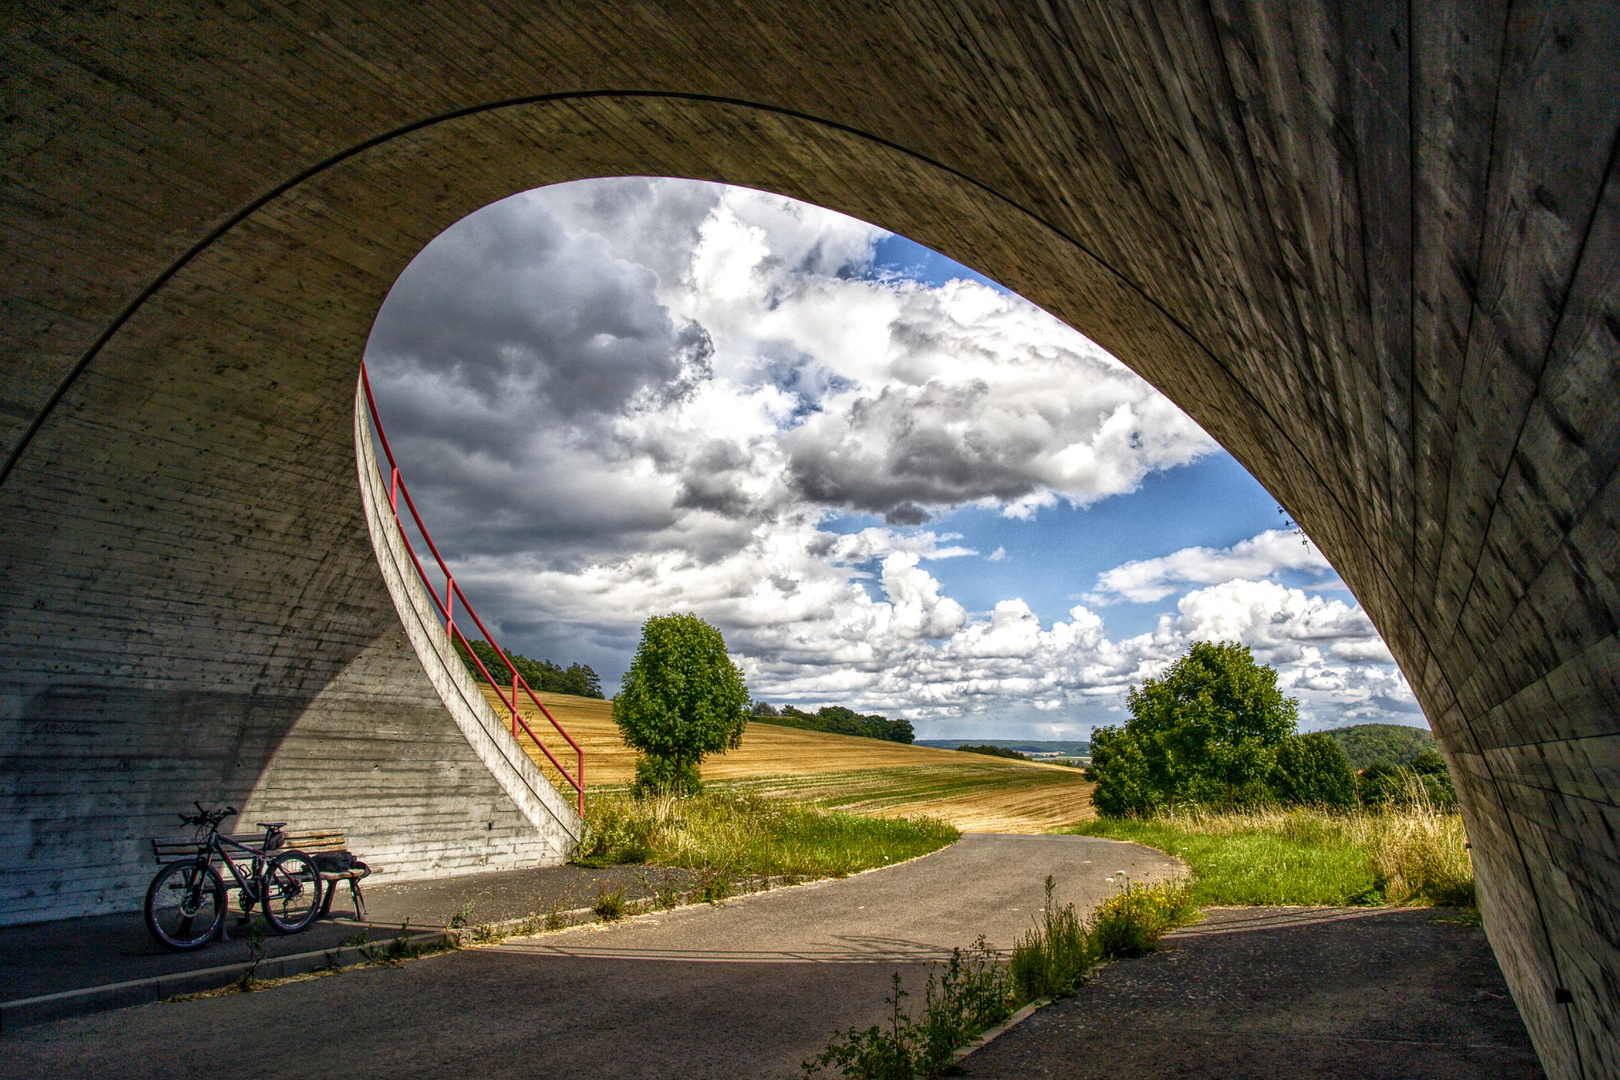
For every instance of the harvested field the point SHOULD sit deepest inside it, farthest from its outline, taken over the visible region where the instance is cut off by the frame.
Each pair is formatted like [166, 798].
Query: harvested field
[972, 792]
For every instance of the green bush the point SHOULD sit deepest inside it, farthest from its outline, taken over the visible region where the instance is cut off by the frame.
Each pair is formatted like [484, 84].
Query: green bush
[1312, 770]
[974, 992]
[1207, 732]
[960, 1002]
[1130, 924]
[1425, 781]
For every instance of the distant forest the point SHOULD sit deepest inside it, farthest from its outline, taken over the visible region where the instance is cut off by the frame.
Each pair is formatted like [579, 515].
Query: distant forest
[577, 679]
[1389, 744]
[991, 750]
[835, 719]
[1023, 746]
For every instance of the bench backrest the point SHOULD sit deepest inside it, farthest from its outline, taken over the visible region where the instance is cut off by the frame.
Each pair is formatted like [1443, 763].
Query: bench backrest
[166, 849]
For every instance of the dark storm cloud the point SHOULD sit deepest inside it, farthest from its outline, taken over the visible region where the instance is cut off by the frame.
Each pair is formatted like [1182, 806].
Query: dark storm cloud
[508, 306]
[912, 447]
[501, 361]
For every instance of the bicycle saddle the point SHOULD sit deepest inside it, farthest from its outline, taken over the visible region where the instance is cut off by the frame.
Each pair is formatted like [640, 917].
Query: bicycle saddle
[269, 824]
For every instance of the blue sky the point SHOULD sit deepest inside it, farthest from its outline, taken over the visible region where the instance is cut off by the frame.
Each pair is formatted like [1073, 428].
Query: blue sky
[890, 482]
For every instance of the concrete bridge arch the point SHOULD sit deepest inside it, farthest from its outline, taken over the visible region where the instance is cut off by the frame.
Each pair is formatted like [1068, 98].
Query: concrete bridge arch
[1371, 250]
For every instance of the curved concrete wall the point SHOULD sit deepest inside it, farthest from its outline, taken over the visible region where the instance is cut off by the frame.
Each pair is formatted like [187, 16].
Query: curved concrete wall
[1370, 248]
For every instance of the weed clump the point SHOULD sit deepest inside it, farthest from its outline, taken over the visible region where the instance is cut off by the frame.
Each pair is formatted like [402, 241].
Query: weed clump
[961, 1002]
[1053, 955]
[610, 906]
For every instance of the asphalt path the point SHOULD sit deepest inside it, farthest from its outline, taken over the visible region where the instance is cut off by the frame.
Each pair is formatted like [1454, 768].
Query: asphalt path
[749, 988]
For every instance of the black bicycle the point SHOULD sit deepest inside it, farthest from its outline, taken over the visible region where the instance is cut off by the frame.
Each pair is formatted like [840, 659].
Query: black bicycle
[187, 901]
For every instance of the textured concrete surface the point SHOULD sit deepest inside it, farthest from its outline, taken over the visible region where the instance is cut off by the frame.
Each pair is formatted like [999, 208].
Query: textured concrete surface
[1372, 249]
[98, 950]
[747, 989]
[1284, 994]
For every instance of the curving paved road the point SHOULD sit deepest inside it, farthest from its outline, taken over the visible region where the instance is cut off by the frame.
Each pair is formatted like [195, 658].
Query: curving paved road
[747, 989]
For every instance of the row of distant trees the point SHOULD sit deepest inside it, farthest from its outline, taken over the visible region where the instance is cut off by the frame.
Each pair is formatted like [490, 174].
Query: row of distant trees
[576, 679]
[836, 719]
[1214, 730]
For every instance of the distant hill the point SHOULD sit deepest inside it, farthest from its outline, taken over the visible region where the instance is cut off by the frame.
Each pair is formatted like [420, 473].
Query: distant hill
[1396, 744]
[1023, 746]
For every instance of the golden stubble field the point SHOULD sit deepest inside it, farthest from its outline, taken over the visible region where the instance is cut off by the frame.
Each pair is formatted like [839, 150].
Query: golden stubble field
[973, 792]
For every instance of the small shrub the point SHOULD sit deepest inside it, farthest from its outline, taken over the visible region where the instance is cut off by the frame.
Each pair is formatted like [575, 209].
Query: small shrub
[1130, 924]
[609, 906]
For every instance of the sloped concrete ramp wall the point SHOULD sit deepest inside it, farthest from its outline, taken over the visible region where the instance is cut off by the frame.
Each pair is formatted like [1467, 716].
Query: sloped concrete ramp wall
[1373, 249]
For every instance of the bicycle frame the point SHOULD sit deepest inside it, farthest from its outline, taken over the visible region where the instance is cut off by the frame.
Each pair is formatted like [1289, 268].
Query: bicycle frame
[249, 884]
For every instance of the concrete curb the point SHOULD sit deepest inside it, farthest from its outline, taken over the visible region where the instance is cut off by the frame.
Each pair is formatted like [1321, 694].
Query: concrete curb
[999, 1030]
[27, 1012]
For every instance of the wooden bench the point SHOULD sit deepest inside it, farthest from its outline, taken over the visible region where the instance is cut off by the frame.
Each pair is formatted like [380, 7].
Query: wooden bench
[318, 841]
[311, 842]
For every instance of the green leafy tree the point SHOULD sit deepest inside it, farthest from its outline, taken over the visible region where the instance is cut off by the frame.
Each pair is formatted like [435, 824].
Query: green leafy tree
[681, 700]
[1313, 770]
[1207, 731]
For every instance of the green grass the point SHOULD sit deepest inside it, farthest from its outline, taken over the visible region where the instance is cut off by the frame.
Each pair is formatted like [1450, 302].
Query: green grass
[1252, 868]
[751, 835]
[1312, 857]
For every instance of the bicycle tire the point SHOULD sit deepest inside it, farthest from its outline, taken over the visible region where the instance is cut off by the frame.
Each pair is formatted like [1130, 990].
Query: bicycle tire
[176, 908]
[291, 898]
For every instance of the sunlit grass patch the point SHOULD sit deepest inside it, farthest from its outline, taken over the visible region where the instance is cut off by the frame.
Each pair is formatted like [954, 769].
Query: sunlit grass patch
[1412, 855]
[742, 834]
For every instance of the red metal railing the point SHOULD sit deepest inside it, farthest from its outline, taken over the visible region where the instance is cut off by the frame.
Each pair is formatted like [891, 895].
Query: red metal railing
[446, 606]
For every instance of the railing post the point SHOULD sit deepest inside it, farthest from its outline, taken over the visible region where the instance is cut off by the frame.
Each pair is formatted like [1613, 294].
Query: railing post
[514, 704]
[450, 605]
[393, 491]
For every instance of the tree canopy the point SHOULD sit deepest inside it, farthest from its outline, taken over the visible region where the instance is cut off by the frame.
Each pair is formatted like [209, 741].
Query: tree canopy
[681, 700]
[836, 719]
[1214, 730]
[539, 674]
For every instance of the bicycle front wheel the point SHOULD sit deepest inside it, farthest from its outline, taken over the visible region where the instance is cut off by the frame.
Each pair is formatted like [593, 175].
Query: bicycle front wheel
[185, 905]
[292, 892]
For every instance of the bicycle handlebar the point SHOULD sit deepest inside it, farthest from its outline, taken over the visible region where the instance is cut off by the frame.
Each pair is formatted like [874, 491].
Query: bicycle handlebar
[207, 817]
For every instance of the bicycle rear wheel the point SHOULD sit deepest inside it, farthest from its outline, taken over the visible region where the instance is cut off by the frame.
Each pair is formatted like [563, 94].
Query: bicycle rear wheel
[292, 892]
[185, 905]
